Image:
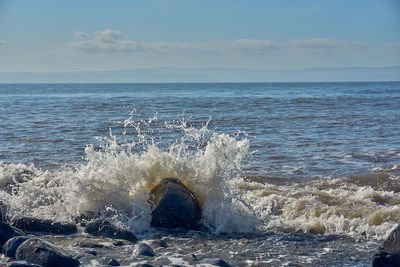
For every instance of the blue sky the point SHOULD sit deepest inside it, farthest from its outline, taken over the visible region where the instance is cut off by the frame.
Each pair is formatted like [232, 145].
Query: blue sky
[52, 35]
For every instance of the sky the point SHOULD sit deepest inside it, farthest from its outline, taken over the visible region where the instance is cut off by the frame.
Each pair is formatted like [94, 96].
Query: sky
[66, 36]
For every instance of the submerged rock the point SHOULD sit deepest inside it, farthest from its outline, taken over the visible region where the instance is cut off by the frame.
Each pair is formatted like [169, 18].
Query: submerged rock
[106, 229]
[7, 232]
[32, 224]
[175, 206]
[37, 251]
[389, 253]
[10, 247]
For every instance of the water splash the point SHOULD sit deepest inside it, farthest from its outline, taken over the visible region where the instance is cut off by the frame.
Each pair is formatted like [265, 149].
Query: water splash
[117, 176]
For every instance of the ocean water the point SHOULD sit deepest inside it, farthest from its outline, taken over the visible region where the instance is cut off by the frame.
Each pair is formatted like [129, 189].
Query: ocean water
[288, 174]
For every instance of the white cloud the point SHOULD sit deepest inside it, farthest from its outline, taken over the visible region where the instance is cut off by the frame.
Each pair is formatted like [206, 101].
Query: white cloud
[80, 35]
[111, 41]
[108, 36]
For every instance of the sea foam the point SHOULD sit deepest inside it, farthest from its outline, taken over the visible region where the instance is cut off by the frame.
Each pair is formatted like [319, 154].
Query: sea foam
[117, 174]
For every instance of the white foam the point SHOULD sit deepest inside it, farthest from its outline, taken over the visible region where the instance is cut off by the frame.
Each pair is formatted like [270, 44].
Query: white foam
[115, 180]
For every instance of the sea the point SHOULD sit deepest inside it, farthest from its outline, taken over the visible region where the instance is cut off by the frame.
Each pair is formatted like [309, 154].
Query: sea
[287, 174]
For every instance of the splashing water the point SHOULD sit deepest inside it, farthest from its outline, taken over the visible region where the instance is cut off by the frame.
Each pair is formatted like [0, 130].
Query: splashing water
[116, 178]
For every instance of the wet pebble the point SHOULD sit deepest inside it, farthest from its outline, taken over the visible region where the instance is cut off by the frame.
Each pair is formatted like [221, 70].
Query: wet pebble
[144, 250]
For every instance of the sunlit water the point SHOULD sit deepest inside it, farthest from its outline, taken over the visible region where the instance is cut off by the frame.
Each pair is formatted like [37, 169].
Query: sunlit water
[287, 173]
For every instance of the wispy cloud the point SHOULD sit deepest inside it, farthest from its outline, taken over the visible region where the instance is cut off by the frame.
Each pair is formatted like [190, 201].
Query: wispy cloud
[111, 41]
[326, 44]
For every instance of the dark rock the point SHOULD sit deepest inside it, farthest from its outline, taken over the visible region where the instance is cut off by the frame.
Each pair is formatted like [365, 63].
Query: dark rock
[216, 262]
[175, 206]
[91, 252]
[37, 251]
[86, 244]
[113, 262]
[158, 244]
[144, 250]
[7, 232]
[12, 244]
[106, 229]
[144, 265]
[118, 243]
[84, 218]
[389, 253]
[31, 224]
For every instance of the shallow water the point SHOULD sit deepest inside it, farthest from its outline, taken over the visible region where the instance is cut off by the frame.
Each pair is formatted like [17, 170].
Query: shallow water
[287, 173]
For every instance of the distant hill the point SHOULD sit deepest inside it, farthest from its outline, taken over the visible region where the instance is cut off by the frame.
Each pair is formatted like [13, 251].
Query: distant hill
[160, 75]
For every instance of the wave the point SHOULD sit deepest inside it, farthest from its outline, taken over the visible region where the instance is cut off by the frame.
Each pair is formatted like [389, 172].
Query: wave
[116, 176]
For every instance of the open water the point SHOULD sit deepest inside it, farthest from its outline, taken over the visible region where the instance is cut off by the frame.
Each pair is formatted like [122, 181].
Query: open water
[295, 174]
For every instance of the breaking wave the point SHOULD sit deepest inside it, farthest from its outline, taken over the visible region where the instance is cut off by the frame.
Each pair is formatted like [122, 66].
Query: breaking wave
[116, 176]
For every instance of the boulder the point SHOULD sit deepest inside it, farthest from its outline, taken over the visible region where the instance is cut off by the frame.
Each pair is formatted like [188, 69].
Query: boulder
[104, 228]
[7, 232]
[174, 206]
[31, 224]
[142, 249]
[388, 253]
[10, 247]
[45, 254]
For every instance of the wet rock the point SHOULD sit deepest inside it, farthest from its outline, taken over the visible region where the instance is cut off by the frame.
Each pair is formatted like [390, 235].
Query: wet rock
[113, 262]
[175, 206]
[216, 262]
[87, 244]
[31, 224]
[45, 254]
[84, 218]
[389, 253]
[7, 232]
[106, 229]
[12, 244]
[144, 250]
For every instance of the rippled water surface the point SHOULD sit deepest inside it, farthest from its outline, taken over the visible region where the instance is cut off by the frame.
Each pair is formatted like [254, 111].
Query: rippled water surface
[288, 173]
